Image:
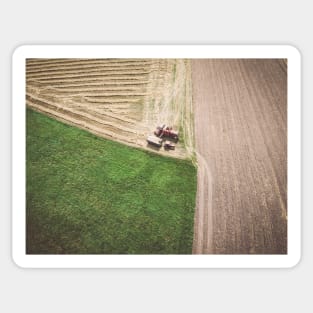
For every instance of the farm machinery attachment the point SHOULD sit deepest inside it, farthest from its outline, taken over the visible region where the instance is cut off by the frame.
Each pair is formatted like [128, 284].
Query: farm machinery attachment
[160, 134]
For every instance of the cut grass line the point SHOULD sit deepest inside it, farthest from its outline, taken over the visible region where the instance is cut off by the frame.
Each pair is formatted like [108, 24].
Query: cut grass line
[95, 82]
[76, 62]
[87, 74]
[80, 69]
[85, 118]
[86, 78]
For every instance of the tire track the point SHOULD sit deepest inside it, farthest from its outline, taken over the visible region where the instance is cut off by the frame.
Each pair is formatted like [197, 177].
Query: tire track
[203, 226]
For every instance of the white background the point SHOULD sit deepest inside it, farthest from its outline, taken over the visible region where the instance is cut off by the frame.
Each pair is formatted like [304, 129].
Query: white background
[196, 22]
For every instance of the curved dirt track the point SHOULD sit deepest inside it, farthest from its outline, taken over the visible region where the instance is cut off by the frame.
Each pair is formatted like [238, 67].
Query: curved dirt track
[203, 229]
[241, 141]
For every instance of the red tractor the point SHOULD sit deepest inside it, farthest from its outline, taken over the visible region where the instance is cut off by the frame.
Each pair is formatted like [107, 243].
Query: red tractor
[166, 131]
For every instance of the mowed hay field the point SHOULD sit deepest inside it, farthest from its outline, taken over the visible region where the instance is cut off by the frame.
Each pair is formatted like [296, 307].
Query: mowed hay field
[90, 195]
[241, 140]
[119, 99]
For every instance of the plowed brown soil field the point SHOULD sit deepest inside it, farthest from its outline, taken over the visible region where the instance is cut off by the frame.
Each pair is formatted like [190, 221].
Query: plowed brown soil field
[241, 141]
[120, 99]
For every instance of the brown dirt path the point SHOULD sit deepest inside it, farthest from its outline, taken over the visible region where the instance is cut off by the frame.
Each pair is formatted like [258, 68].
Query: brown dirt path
[241, 140]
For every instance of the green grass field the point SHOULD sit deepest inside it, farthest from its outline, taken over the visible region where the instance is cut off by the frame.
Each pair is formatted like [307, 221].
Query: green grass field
[88, 195]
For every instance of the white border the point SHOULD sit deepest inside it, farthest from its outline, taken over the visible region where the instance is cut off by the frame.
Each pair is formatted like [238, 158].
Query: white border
[156, 261]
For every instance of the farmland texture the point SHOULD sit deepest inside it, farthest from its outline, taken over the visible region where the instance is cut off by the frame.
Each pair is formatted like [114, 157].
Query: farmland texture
[241, 141]
[119, 99]
[90, 195]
